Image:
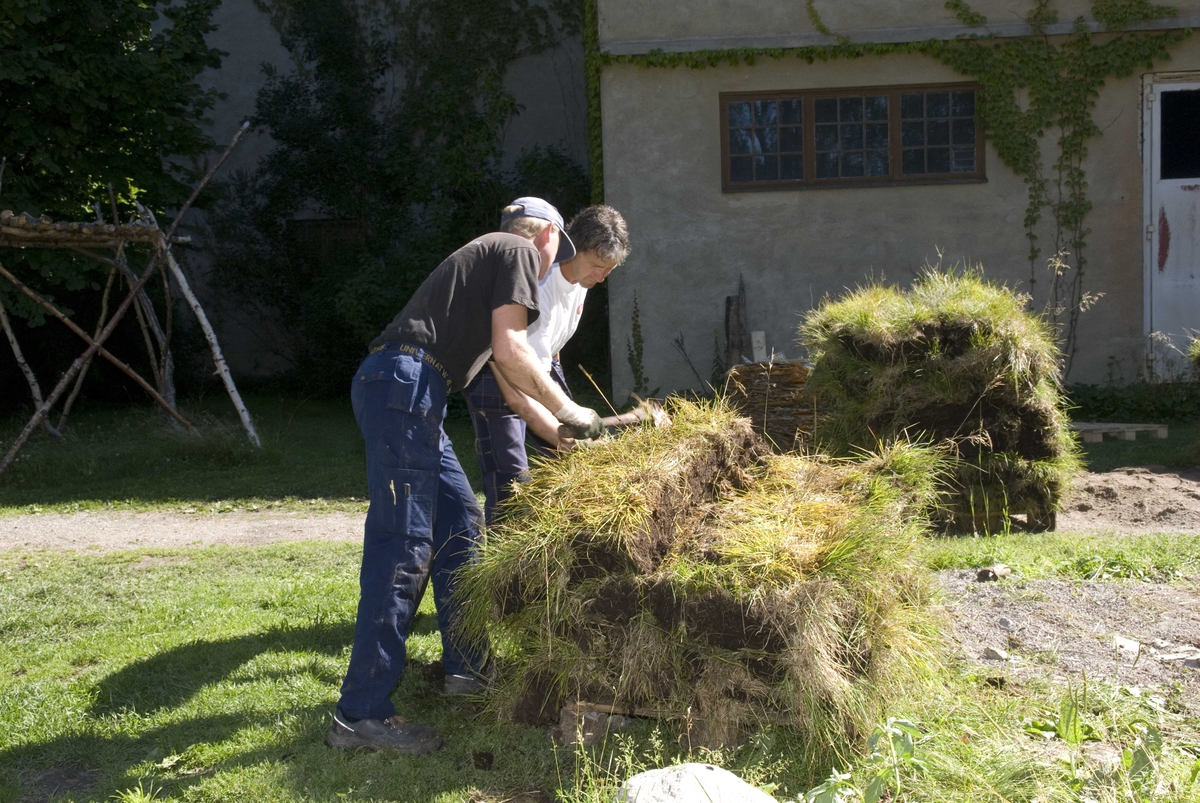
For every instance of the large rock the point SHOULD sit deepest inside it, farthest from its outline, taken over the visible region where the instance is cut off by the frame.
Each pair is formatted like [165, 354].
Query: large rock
[690, 783]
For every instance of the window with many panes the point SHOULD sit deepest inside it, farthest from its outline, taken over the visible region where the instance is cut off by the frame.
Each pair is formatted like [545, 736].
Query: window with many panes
[850, 137]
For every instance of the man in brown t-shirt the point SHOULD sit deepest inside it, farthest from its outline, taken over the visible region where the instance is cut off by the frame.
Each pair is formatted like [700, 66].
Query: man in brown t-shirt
[423, 522]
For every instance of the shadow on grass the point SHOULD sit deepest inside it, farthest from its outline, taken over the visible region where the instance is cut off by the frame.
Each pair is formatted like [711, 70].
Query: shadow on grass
[174, 676]
[108, 746]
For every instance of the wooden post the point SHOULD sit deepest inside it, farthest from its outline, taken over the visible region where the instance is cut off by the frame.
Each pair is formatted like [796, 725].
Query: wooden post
[735, 328]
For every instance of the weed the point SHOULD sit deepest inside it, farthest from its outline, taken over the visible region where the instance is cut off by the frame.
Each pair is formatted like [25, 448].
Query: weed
[146, 794]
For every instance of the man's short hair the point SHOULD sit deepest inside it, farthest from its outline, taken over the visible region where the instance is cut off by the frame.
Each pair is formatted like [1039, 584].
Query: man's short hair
[524, 226]
[601, 230]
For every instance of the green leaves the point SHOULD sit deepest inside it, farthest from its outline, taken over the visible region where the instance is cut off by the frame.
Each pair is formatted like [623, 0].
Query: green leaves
[99, 91]
[1140, 761]
[893, 745]
[1069, 726]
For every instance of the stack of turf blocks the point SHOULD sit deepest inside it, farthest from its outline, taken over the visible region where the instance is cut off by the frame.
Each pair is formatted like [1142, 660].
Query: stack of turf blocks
[955, 361]
[686, 573]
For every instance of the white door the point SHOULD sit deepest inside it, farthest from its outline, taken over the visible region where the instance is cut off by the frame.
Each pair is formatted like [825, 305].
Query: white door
[1172, 154]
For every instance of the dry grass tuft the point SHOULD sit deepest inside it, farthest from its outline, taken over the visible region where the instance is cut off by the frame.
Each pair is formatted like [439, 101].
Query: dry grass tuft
[688, 572]
[958, 361]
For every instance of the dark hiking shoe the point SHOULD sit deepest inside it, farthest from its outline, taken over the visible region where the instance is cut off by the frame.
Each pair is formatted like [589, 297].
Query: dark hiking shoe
[462, 686]
[382, 734]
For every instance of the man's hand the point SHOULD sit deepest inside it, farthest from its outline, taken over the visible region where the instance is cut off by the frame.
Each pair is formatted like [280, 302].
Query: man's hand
[582, 422]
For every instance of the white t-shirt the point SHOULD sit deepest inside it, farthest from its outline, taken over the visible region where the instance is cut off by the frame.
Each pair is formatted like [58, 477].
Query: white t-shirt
[561, 306]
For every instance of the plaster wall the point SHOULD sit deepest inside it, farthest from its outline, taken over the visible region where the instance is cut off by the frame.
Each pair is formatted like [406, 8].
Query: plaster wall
[685, 24]
[691, 242]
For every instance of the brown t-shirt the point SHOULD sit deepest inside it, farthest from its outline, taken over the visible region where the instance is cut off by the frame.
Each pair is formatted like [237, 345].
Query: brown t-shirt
[450, 315]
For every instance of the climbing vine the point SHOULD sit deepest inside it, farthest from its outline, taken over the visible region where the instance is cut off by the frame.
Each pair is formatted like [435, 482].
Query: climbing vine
[1036, 93]
[966, 15]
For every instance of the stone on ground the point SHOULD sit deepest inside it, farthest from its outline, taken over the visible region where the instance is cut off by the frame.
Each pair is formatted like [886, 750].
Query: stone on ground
[690, 783]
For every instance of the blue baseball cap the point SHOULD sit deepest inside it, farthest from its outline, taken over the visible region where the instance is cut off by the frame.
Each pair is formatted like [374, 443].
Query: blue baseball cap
[536, 207]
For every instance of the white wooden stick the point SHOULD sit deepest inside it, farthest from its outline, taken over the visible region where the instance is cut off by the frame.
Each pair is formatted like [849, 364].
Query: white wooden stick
[211, 336]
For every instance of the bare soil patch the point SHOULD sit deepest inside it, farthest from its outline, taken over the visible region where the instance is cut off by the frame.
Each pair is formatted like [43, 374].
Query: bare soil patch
[1144, 635]
[1141, 499]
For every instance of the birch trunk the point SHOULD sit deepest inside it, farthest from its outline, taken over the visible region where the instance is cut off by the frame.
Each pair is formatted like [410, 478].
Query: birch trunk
[211, 336]
[35, 389]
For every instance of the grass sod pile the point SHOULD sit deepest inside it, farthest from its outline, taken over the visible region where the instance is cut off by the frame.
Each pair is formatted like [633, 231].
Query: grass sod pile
[685, 571]
[961, 362]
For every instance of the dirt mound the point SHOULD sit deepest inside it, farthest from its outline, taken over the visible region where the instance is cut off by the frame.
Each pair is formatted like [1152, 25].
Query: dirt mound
[1141, 499]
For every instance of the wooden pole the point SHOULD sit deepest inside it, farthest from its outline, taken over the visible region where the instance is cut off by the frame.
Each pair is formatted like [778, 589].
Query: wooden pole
[161, 361]
[211, 336]
[35, 389]
[93, 344]
[66, 411]
[40, 414]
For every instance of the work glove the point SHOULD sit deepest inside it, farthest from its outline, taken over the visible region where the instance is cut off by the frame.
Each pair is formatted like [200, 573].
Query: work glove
[580, 422]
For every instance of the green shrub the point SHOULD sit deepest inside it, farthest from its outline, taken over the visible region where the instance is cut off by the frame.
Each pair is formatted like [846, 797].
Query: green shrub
[1136, 403]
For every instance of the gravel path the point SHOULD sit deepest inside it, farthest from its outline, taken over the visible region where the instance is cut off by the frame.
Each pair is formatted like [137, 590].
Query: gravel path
[124, 530]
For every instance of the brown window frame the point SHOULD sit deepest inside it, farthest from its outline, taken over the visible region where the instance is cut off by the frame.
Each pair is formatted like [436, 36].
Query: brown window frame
[808, 123]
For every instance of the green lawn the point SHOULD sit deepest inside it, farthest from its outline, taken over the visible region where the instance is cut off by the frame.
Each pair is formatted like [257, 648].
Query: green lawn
[130, 458]
[209, 674]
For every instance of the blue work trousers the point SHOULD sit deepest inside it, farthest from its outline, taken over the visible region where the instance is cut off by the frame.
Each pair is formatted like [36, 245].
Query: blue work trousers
[423, 523]
[500, 437]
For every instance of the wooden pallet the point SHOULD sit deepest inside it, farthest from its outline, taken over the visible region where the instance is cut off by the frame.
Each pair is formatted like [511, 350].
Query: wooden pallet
[1094, 433]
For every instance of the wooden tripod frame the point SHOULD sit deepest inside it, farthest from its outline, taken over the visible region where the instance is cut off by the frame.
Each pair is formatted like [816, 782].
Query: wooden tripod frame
[25, 231]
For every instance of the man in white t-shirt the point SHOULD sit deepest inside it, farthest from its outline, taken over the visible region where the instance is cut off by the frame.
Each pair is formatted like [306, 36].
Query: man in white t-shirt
[500, 413]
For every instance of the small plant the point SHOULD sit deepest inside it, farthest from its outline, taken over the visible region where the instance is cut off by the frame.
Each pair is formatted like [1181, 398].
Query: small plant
[893, 746]
[146, 794]
[634, 346]
[1070, 728]
[1140, 760]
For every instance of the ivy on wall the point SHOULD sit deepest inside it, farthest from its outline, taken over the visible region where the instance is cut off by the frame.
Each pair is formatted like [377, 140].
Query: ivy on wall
[1036, 106]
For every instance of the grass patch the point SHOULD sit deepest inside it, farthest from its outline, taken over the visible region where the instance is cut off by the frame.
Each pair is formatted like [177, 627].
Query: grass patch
[122, 669]
[217, 690]
[1073, 556]
[130, 458]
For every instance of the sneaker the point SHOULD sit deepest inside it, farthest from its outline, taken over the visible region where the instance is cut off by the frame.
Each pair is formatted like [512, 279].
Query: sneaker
[382, 734]
[462, 686]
